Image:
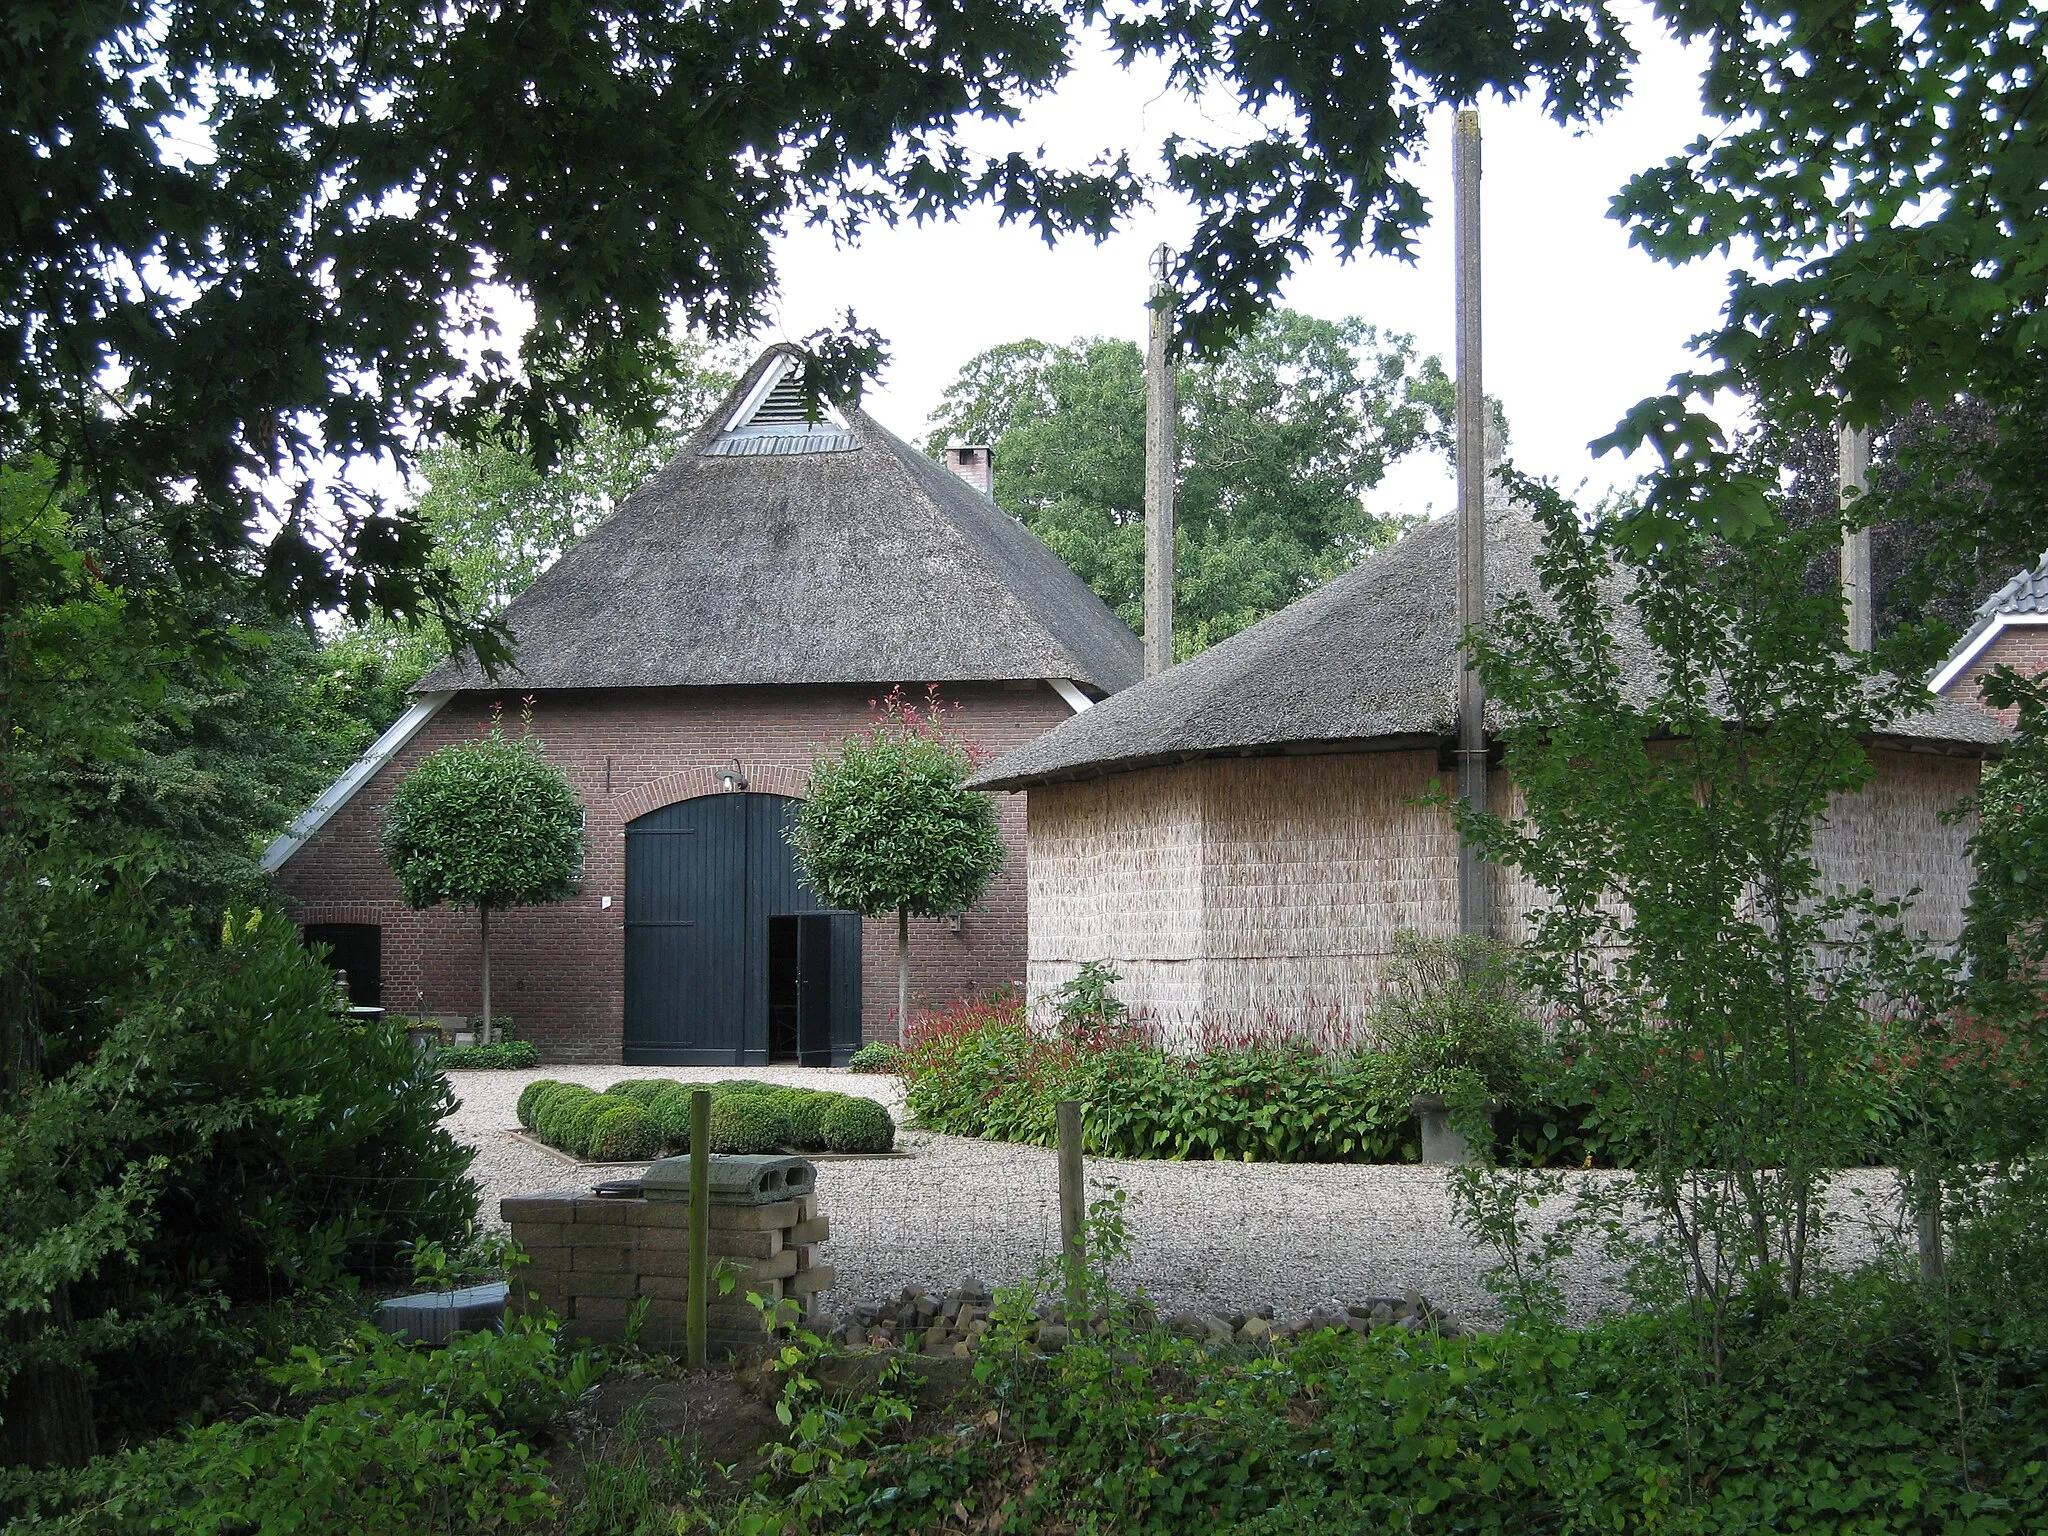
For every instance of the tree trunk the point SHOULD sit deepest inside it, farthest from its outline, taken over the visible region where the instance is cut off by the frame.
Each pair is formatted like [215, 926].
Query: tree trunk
[484, 917]
[902, 971]
[45, 1411]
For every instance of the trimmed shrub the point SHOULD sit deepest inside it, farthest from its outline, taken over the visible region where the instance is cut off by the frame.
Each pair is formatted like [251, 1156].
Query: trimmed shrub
[551, 1112]
[747, 1122]
[506, 1053]
[623, 1133]
[530, 1096]
[745, 1085]
[670, 1111]
[806, 1109]
[858, 1125]
[641, 1090]
[876, 1056]
[581, 1121]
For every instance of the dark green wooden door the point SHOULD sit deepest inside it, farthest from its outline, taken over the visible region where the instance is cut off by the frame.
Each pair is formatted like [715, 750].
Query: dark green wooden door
[703, 877]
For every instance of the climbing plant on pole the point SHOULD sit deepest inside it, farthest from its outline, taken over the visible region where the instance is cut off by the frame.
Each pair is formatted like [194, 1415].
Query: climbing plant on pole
[487, 823]
[888, 825]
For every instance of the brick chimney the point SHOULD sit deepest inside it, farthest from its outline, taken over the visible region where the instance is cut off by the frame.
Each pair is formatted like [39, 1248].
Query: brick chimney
[975, 463]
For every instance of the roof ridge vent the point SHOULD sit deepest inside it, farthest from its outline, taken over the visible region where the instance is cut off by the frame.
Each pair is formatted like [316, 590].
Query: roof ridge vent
[783, 406]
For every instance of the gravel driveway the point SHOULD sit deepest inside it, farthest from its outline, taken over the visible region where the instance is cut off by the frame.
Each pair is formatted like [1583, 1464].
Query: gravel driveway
[1207, 1236]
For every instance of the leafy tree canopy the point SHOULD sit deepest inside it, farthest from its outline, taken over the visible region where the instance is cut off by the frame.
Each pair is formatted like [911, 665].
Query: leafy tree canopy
[486, 823]
[1889, 165]
[1281, 436]
[246, 238]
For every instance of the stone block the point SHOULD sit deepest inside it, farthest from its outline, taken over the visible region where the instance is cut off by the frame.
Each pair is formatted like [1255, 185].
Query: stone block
[593, 1212]
[616, 1258]
[757, 1218]
[813, 1229]
[808, 1282]
[532, 1234]
[585, 1309]
[554, 1206]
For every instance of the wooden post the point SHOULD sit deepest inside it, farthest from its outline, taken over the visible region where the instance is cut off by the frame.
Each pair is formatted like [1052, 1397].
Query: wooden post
[1073, 1196]
[1162, 410]
[697, 1321]
[1858, 598]
[1473, 914]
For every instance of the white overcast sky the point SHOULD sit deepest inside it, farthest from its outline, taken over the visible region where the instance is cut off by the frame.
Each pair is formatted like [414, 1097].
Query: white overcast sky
[1578, 326]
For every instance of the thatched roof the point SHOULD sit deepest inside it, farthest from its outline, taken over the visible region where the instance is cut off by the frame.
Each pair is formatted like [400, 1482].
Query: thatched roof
[772, 549]
[1368, 661]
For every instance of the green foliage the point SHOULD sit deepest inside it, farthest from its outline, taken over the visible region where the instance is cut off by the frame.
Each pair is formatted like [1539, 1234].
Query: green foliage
[1452, 1022]
[1726, 1009]
[855, 1124]
[641, 1090]
[226, 1141]
[747, 1122]
[885, 825]
[623, 1133]
[1537, 1428]
[875, 1056]
[671, 1112]
[1281, 435]
[485, 823]
[805, 1111]
[502, 1053]
[552, 1111]
[1085, 1002]
[980, 1070]
[380, 1436]
[579, 1122]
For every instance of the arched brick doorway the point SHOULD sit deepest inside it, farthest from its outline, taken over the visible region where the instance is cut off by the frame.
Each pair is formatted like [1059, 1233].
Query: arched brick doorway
[730, 959]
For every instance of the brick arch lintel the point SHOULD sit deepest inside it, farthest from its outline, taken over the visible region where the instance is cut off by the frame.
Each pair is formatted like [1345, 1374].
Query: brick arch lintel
[695, 783]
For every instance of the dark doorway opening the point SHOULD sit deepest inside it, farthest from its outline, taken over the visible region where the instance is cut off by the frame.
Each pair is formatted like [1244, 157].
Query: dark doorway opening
[357, 950]
[814, 977]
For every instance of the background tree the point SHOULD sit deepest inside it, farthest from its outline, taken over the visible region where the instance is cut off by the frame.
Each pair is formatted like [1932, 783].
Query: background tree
[1282, 436]
[489, 823]
[887, 825]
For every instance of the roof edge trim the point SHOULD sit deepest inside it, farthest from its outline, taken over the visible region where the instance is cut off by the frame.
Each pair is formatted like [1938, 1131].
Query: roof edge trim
[1954, 667]
[1075, 699]
[359, 773]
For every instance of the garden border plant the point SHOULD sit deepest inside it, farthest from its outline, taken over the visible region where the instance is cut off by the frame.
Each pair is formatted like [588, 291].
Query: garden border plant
[636, 1120]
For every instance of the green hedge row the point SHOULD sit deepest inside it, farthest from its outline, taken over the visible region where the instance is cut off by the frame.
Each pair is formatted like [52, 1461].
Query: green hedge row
[506, 1053]
[644, 1118]
[983, 1072]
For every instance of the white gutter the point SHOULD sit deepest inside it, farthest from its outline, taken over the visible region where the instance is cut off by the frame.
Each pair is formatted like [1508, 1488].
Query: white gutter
[1954, 667]
[1076, 699]
[342, 790]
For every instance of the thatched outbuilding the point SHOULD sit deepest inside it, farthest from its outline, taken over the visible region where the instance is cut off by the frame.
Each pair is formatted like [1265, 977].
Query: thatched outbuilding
[1239, 835]
[687, 660]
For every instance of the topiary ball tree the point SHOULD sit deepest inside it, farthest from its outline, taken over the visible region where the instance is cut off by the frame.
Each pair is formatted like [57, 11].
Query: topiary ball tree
[888, 825]
[488, 823]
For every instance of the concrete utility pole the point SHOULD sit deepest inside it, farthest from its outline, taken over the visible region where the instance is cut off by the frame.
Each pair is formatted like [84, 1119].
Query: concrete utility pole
[1162, 411]
[1474, 915]
[1859, 598]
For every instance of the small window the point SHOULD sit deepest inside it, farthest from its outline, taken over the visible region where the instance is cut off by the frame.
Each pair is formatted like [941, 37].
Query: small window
[357, 951]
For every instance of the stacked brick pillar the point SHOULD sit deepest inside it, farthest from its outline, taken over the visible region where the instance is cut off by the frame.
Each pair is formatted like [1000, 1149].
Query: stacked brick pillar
[591, 1260]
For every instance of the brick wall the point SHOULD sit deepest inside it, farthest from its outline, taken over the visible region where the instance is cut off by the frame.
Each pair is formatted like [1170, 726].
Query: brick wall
[2023, 647]
[558, 970]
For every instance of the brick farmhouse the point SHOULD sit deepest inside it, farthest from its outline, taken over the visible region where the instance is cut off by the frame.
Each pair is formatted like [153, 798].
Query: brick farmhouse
[686, 661]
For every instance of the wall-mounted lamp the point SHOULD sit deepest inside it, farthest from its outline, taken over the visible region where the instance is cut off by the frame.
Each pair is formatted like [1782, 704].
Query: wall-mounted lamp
[955, 921]
[731, 779]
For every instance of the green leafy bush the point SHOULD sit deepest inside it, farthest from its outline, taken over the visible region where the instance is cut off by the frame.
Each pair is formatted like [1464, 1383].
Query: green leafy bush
[530, 1096]
[805, 1110]
[1452, 1022]
[747, 1122]
[623, 1133]
[551, 1111]
[641, 1090]
[387, 1437]
[579, 1129]
[855, 1124]
[670, 1109]
[875, 1056]
[506, 1053]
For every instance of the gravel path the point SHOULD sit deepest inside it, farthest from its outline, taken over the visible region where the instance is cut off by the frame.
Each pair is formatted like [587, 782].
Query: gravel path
[1211, 1236]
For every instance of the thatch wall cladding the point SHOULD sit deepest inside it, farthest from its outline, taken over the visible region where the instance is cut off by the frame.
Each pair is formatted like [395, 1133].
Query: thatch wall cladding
[848, 566]
[1892, 838]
